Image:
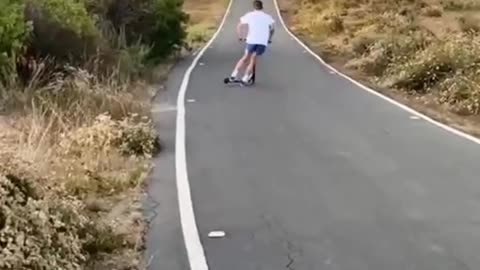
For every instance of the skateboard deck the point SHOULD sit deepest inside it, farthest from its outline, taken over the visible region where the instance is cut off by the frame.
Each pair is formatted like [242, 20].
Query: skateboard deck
[227, 80]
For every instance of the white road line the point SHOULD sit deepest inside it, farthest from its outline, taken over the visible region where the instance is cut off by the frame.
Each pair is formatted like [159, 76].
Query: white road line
[195, 252]
[371, 91]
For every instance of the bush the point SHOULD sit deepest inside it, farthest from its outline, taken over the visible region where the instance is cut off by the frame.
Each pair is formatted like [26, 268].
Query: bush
[130, 136]
[362, 44]
[469, 24]
[36, 232]
[70, 14]
[435, 63]
[157, 23]
[166, 32]
[42, 230]
[380, 52]
[62, 30]
[433, 12]
[461, 4]
[13, 33]
[462, 93]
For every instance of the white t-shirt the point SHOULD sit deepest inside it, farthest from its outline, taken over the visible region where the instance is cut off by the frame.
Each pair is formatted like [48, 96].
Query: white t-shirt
[259, 24]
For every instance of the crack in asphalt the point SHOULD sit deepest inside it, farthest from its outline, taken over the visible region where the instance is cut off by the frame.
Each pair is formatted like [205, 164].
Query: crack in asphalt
[275, 228]
[291, 254]
[290, 262]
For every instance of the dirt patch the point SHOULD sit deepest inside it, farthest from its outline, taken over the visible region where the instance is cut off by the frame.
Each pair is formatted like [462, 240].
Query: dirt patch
[205, 15]
[411, 51]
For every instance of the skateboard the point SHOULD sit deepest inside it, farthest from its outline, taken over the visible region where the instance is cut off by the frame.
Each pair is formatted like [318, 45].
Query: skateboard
[228, 80]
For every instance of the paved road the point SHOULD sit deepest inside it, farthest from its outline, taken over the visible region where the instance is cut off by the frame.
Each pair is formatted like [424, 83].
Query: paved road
[307, 171]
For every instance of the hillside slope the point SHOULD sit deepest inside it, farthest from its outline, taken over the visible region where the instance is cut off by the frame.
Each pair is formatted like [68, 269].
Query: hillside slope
[425, 53]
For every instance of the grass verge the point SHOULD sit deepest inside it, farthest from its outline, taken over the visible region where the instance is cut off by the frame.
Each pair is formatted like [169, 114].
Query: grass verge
[205, 15]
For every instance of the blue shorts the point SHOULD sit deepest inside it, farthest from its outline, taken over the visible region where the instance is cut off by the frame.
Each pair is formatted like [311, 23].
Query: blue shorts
[258, 49]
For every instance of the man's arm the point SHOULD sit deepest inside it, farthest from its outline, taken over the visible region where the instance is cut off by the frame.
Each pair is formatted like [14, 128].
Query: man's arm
[241, 33]
[242, 27]
[272, 29]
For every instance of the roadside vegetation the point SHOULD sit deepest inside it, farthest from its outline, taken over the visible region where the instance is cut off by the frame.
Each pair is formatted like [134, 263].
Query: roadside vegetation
[204, 17]
[76, 140]
[423, 52]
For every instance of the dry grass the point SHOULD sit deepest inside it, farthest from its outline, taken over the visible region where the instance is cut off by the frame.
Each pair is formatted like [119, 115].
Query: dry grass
[205, 15]
[424, 52]
[433, 12]
[461, 4]
[71, 149]
[469, 24]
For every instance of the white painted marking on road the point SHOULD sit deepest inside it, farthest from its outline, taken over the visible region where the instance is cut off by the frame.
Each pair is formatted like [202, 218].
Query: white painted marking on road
[191, 100]
[371, 91]
[163, 108]
[414, 117]
[201, 64]
[216, 234]
[195, 252]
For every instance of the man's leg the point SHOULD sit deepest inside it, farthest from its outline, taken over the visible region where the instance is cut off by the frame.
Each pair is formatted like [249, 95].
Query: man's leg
[243, 60]
[257, 51]
[249, 69]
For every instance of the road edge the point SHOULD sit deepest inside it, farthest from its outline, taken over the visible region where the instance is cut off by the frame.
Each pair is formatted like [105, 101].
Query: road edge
[372, 91]
[191, 237]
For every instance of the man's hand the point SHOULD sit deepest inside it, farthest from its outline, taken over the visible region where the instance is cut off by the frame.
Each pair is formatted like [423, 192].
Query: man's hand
[272, 31]
[241, 31]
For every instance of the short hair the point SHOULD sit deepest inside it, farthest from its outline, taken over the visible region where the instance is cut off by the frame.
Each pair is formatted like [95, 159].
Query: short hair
[257, 4]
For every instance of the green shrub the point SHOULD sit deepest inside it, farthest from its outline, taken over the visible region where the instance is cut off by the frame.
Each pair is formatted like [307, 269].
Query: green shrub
[165, 28]
[62, 30]
[13, 33]
[71, 14]
[159, 24]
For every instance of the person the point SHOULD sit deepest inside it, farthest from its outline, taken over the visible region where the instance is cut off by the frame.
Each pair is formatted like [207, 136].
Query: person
[260, 27]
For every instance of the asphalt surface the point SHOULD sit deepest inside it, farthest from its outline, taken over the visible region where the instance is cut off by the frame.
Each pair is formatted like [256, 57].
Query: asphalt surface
[307, 171]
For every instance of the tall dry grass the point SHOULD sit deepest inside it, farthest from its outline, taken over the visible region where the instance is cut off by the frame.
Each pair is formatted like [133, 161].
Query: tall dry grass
[67, 142]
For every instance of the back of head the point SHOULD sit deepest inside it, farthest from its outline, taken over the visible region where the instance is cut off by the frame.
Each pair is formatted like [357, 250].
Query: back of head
[258, 5]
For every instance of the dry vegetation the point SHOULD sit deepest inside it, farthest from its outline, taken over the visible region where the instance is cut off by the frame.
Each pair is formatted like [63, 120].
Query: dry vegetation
[76, 139]
[424, 52]
[72, 152]
[205, 15]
